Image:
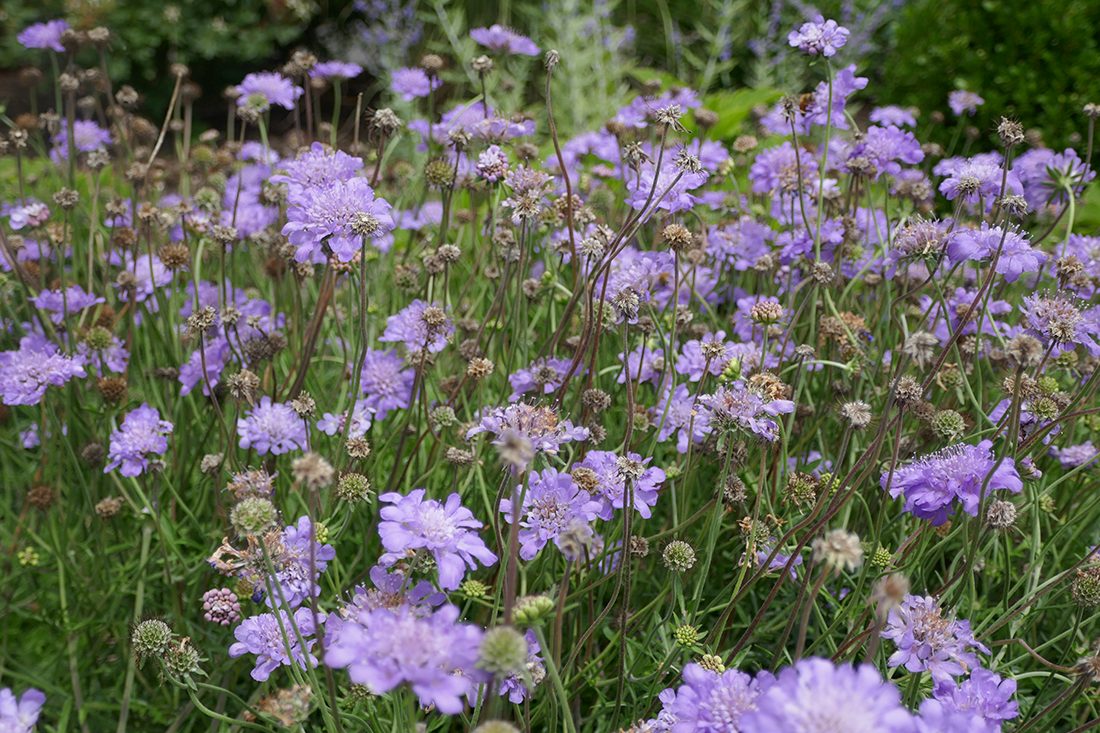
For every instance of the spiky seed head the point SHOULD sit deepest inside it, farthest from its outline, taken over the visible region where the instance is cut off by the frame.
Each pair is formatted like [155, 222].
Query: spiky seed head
[679, 556]
[108, 507]
[182, 659]
[253, 516]
[151, 638]
[948, 425]
[1086, 587]
[687, 635]
[839, 548]
[503, 652]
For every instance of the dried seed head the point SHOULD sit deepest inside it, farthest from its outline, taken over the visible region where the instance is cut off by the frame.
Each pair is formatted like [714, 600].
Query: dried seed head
[113, 389]
[1010, 132]
[364, 223]
[596, 400]
[907, 392]
[108, 507]
[670, 115]
[857, 413]
[551, 60]
[385, 121]
[304, 405]
[677, 237]
[353, 488]
[93, 453]
[459, 457]
[921, 347]
[358, 447]
[888, 594]
[745, 143]
[705, 118]
[639, 546]
[1025, 350]
[1001, 514]
[839, 548]
[431, 64]
[822, 273]
[479, 368]
[313, 471]
[1092, 110]
[211, 462]
[482, 64]
[66, 198]
[175, 255]
[243, 386]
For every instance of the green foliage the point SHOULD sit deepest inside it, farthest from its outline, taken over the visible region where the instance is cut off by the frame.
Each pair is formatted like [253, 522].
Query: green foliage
[1037, 62]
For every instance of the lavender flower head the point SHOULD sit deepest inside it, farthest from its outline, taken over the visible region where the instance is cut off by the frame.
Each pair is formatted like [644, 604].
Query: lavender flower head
[447, 531]
[819, 36]
[18, 715]
[553, 502]
[539, 424]
[419, 326]
[33, 215]
[272, 427]
[335, 70]
[711, 702]
[386, 383]
[331, 424]
[44, 35]
[26, 373]
[513, 685]
[963, 102]
[87, 136]
[60, 303]
[609, 482]
[499, 38]
[1017, 255]
[543, 375]
[936, 717]
[413, 83]
[738, 407]
[268, 88]
[492, 164]
[983, 693]
[1076, 455]
[142, 434]
[435, 654]
[336, 217]
[929, 641]
[317, 168]
[892, 114]
[292, 557]
[261, 635]
[816, 696]
[932, 483]
[1058, 321]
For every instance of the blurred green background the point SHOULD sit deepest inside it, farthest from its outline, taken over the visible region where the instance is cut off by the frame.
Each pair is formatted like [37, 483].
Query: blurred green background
[1037, 62]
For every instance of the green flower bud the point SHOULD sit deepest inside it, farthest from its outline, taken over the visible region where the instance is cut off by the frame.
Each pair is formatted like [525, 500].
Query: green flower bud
[503, 652]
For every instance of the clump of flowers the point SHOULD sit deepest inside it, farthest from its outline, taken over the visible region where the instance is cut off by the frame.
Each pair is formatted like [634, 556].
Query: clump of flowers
[929, 640]
[141, 435]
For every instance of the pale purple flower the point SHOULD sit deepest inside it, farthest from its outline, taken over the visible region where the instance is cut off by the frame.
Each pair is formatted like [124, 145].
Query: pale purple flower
[892, 114]
[1058, 321]
[677, 197]
[694, 365]
[929, 640]
[391, 590]
[819, 36]
[149, 271]
[738, 407]
[386, 383]
[543, 376]
[141, 435]
[44, 35]
[272, 427]
[448, 531]
[778, 563]
[552, 504]
[963, 102]
[539, 424]
[324, 218]
[292, 557]
[317, 168]
[26, 373]
[18, 715]
[499, 38]
[513, 685]
[33, 215]
[492, 164]
[87, 136]
[1076, 455]
[936, 717]
[677, 412]
[413, 83]
[646, 365]
[1046, 175]
[335, 70]
[611, 489]
[1017, 256]
[331, 424]
[711, 702]
[977, 178]
[409, 327]
[984, 692]
[61, 303]
[261, 635]
[435, 654]
[816, 696]
[885, 146]
[776, 169]
[272, 87]
[933, 482]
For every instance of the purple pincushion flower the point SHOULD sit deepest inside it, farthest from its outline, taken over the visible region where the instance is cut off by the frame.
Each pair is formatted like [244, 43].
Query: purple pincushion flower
[61, 303]
[513, 685]
[929, 641]
[19, 715]
[411, 327]
[447, 531]
[317, 168]
[677, 412]
[1058, 321]
[26, 373]
[1017, 255]
[33, 215]
[777, 169]
[984, 693]
[87, 136]
[492, 164]
[892, 114]
[386, 383]
[711, 702]
[336, 217]
[963, 102]
[738, 407]
[541, 425]
[141, 435]
[261, 635]
[292, 556]
[932, 483]
[331, 424]
[935, 717]
[819, 36]
[412, 83]
[669, 189]
[1076, 455]
[610, 487]
[270, 87]
[553, 503]
[883, 147]
[499, 38]
[435, 654]
[816, 696]
[44, 35]
[335, 70]
[543, 376]
[272, 427]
